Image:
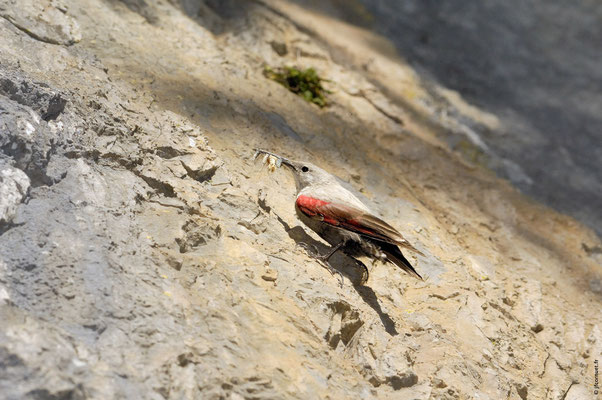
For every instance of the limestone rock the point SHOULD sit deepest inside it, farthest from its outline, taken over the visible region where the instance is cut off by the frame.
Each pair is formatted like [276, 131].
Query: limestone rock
[47, 20]
[13, 187]
[144, 255]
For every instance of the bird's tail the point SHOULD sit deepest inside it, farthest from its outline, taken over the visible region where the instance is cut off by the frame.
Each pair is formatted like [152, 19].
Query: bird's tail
[408, 246]
[395, 256]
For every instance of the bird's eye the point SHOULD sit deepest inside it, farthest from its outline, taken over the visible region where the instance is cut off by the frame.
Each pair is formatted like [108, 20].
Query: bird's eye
[304, 169]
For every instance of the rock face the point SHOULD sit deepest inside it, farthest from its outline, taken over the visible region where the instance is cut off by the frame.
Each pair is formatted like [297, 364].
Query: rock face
[46, 21]
[13, 186]
[144, 255]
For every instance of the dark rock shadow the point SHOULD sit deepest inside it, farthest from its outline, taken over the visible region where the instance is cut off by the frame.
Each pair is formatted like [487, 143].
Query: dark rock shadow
[370, 298]
[353, 269]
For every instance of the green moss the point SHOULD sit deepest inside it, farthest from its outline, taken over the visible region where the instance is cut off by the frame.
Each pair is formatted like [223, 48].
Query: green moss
[472, 153]
[305, 83]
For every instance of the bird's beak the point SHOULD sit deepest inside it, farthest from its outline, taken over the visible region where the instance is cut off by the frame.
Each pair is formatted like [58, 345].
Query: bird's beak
[281, 160]
[288, 164]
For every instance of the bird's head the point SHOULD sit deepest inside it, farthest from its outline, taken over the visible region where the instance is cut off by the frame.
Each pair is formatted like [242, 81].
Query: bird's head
[305, 174]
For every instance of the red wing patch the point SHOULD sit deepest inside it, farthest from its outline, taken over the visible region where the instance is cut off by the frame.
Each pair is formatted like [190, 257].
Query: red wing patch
[334, 214]
[309, 203]
[314, 208]
[352, 219]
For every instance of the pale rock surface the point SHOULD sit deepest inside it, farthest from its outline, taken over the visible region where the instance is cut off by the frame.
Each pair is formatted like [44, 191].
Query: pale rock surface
[14, 184]
[151, 258]
[45, 20]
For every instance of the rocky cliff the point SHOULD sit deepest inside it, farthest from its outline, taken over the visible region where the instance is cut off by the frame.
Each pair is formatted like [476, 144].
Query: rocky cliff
[144, 255]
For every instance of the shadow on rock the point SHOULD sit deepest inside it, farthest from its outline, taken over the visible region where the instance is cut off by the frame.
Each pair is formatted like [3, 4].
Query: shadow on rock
[369, 297]
[353, 269]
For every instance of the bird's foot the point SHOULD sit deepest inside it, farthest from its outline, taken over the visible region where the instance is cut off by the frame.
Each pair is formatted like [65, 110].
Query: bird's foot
[313, 252]
[324, 263]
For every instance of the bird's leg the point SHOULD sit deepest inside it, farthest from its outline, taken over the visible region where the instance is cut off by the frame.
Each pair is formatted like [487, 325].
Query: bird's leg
[331, 253]
[313, 252]
[324, 259]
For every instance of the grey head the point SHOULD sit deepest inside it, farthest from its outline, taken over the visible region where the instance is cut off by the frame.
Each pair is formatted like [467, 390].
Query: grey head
[305, 174]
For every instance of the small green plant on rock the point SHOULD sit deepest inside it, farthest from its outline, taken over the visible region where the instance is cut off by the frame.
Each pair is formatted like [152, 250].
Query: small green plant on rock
[305, 83]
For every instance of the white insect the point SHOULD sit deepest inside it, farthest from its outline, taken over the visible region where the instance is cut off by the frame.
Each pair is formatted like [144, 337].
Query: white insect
[270, 160]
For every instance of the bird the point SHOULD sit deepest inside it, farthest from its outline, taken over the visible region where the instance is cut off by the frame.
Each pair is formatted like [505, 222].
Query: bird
[340, 218]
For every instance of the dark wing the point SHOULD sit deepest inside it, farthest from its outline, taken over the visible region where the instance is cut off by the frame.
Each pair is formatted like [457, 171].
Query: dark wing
[395, 256]
[381, 230]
